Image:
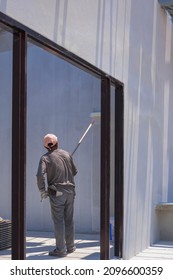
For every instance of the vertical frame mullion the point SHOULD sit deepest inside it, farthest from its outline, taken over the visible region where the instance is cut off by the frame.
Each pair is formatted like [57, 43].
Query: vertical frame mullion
[105, 169]
[119, 172]
[19, 145]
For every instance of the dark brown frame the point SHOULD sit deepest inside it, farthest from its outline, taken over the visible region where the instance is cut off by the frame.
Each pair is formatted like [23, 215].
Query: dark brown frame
[105, 169]
[21, 35]
[19, 145]
[119, 172]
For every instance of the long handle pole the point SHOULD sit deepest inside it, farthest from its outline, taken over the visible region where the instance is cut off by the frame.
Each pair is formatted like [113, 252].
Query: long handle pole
[83, 136]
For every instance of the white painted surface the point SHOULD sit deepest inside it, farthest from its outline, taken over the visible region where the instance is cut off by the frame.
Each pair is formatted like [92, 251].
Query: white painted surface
[133, 41]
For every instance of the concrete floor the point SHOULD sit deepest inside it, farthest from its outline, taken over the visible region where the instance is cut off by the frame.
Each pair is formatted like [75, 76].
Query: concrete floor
[38, 244]
[163, 250]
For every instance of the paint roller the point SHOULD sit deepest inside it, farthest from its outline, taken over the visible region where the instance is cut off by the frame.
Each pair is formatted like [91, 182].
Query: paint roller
[95, 116]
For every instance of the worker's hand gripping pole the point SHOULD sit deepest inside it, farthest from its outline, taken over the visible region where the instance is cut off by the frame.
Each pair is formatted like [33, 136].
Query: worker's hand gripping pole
[83, 136]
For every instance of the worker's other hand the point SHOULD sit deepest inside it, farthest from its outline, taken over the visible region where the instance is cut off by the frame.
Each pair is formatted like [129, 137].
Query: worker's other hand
[44, 195]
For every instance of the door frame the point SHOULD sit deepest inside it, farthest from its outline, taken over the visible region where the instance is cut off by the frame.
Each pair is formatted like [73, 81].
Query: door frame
[21, 34]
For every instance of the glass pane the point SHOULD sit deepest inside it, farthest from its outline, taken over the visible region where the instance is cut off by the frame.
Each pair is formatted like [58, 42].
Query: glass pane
[5, 140]
[62, 100]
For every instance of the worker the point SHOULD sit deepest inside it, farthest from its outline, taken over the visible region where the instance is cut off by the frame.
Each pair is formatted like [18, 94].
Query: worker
[58, 166]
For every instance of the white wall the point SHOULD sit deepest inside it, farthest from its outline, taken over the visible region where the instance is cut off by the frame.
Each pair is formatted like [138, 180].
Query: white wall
[133, 41]
[60, 100]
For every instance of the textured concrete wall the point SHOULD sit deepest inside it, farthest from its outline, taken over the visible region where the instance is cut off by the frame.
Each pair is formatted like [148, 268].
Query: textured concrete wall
[60, 101]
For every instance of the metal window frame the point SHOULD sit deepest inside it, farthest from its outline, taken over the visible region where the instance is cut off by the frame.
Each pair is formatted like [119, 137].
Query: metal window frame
[21, 35]
[105, 169]
[19, 145]
[119, 172]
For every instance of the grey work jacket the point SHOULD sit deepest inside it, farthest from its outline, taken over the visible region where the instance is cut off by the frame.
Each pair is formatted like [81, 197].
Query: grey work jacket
[59, 167]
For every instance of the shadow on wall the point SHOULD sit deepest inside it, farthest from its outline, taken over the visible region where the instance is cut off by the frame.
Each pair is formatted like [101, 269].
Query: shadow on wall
[69, 95]
[109, 34]
[57, 22]
[149, 137]
[100, 39]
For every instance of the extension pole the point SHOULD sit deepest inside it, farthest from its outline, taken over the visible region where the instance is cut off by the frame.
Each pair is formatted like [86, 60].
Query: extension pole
[83, 136]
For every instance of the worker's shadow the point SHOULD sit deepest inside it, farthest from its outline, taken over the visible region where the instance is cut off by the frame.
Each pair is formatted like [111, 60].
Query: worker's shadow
[40, 251]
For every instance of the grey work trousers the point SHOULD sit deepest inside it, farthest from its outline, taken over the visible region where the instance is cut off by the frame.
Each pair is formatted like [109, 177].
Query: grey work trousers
[62, 210]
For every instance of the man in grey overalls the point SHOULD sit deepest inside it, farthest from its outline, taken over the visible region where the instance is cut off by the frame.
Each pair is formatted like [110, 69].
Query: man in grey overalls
[59, 167]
